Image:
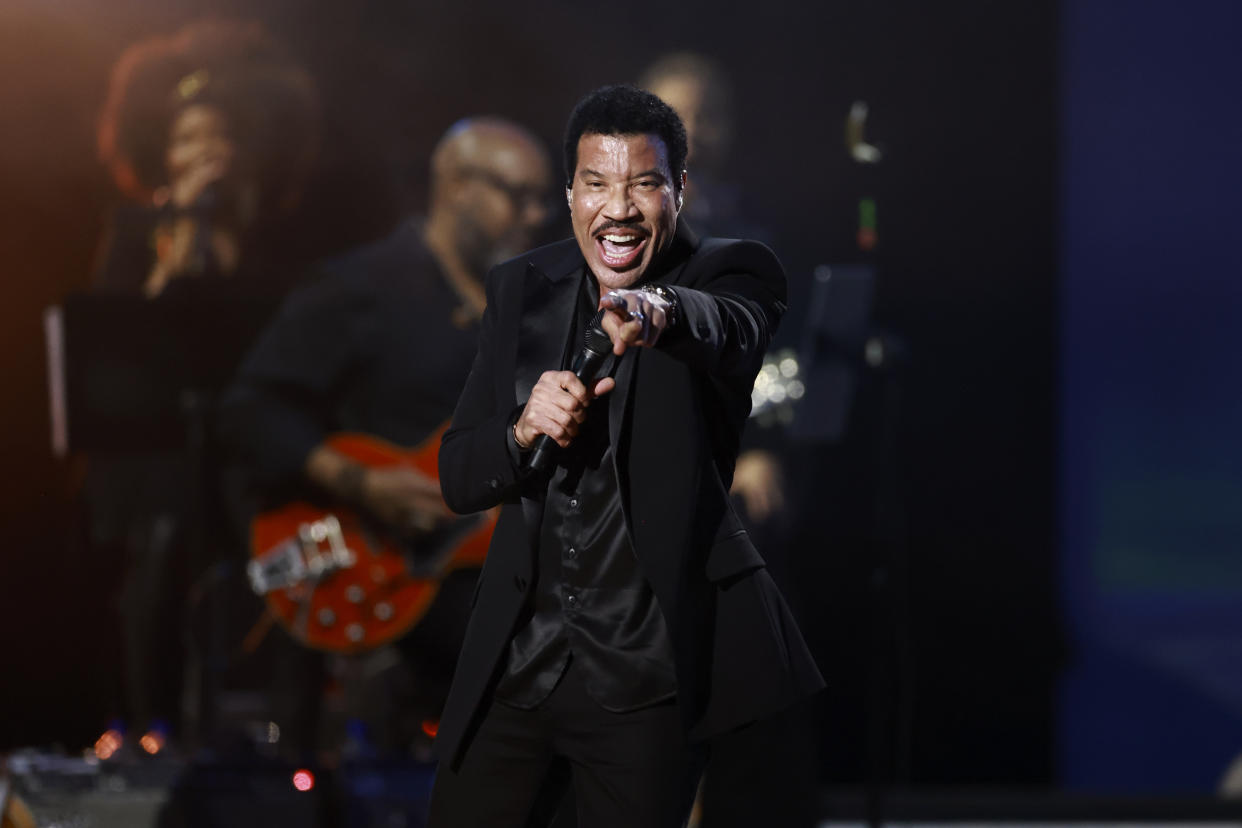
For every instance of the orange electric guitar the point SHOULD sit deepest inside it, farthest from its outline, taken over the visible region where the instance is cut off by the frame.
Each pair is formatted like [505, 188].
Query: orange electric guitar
[340, 581]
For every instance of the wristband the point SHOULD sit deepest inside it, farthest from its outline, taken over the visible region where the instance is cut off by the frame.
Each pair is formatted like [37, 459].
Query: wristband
[672, 313]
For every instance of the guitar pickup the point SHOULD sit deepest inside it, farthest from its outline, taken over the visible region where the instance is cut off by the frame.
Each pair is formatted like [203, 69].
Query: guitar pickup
[318, 550]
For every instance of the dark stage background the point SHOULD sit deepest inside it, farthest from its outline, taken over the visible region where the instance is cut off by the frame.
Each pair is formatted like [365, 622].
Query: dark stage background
[962, 105]
[952, 456]
[1150, 488]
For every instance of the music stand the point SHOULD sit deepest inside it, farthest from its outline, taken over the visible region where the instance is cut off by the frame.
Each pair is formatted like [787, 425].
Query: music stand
[833, 339]
[120, 367]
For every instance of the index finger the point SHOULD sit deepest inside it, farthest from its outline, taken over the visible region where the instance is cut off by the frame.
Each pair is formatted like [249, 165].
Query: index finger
[612, 301]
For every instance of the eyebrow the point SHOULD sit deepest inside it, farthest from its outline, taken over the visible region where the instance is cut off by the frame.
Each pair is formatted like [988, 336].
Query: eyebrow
[654, 172]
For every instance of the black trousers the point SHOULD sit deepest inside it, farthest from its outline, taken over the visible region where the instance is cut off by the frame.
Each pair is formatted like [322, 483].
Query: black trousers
[628, 770]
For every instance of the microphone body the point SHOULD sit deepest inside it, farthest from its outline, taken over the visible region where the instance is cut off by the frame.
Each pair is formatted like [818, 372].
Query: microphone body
[207, 201]
[596, 346]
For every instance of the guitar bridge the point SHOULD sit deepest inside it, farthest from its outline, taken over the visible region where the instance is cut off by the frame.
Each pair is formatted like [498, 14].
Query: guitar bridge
[318, 550]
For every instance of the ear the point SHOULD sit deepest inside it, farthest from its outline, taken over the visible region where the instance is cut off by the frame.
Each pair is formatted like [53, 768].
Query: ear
[681, 191]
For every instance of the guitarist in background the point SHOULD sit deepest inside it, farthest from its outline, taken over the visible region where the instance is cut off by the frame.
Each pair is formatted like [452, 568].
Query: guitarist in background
[381, 344]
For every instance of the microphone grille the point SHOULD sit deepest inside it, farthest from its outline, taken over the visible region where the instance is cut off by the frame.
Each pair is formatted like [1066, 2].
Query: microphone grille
[595, 339]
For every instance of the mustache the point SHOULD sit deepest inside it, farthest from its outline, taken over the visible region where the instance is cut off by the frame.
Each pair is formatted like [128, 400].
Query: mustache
[613, 224]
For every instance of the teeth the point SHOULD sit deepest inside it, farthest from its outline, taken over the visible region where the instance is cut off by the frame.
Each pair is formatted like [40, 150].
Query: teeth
[615, 239]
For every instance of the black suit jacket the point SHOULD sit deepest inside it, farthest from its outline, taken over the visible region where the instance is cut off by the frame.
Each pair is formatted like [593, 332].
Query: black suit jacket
[675, 416]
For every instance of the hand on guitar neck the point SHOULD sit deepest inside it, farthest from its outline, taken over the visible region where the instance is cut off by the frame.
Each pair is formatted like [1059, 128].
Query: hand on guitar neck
[405, 499]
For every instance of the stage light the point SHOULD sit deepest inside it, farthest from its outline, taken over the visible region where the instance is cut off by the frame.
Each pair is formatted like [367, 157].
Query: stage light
[152, 742]
[108, 744]
[303, 780]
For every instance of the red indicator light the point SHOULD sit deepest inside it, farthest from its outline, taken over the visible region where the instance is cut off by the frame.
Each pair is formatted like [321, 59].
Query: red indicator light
[303, 780]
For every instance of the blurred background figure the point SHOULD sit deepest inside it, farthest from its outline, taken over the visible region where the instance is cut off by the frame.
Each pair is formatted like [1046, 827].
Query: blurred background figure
[380, 345]
[745, 783]
[698, 88]
[211, 132]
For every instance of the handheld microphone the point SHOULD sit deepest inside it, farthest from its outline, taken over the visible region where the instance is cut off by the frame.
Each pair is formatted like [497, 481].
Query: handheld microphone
[596, 346]
[207, 201]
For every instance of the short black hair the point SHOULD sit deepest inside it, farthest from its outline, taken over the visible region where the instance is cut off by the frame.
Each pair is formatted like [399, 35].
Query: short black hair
[623, 109]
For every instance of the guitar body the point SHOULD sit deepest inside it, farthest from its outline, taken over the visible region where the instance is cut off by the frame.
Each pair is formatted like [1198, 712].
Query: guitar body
[339, 581]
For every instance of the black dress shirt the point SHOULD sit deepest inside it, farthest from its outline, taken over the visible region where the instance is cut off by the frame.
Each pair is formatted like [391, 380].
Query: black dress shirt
[372, 346]
[591, 602]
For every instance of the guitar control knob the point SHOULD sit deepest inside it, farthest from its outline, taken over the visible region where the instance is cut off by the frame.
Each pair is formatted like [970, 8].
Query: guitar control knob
[326, 617]
[354, 632]
[354, 594]
[383, 610]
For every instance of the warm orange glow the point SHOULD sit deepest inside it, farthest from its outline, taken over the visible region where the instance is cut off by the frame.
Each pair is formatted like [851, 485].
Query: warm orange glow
[431, 726]
[303, 780]
[108, 744]
[152, 742]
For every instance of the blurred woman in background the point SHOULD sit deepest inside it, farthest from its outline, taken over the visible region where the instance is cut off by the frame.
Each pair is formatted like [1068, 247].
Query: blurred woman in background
[211, 132]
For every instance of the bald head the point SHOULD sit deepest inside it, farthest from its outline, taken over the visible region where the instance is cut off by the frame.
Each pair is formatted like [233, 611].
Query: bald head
[485, 142]
[490, 186]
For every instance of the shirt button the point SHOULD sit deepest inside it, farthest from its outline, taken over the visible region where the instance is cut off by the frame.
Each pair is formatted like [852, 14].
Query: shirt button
[572, 600]
[572, 553]
[573, 503]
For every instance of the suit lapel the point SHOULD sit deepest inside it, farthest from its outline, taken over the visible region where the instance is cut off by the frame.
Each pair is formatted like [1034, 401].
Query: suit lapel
[548, 305]
[618, 402]
[548, 302]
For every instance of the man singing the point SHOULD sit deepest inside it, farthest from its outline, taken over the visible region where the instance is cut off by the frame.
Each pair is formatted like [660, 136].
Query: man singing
[623, 615]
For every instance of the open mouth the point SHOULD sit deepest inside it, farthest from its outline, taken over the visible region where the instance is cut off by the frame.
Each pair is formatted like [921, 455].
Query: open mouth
[620, 249]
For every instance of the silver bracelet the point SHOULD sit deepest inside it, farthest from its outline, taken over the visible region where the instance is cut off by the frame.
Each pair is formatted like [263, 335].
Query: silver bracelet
[672, 313]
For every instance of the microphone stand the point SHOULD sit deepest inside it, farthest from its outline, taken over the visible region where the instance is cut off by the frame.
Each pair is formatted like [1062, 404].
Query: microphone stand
[890, 654]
